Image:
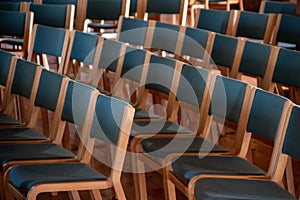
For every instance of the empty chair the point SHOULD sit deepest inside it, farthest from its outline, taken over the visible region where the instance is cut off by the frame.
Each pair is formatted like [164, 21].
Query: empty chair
[148, 7]
[15, 31]
[110, 122]
[256, 26]
[48, 41]
[283, 7]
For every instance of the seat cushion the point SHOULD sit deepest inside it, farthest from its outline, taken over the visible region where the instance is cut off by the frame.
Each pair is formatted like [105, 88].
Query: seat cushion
[143, 114]
[157, 127]
[19, 152]
[161, 147]
[189, 166]
[102, 26]
[225, 189]
[8, 120]
[27, 176]
[20, 134]
[12, 41]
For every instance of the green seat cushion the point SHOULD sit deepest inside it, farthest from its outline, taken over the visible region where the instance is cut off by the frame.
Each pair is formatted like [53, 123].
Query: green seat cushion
[20, 134]
[143, 114]
[8, 120]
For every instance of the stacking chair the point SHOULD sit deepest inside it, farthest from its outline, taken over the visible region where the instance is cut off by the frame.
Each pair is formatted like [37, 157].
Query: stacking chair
[286, 31]
[110, 121]
[255, 26]
[283, 7]
[12, 6]
[148, 7]
[132, 31]
[182, 169]
[15, 31]
[247, 187]
[48, 41]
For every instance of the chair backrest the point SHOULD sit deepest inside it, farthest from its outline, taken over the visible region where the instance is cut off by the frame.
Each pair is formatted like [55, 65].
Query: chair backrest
[12, 6]
[283, 7]
[50, 41]
[43, 14]
[19, 24]
[5, 67]
[132, 30]
[180, 7]
[287, 29]
[253, 25]
[219, 21]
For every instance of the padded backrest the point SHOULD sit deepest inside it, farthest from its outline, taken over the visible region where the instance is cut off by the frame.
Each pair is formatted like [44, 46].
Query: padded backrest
[252, 25]
[265, 114]
[214, 20]
[160, 74]
[23, 78]
[192, 84]
[288, 8]
[62, 2]
[163, 7]
[227, 98]
[291, 141]
[12, 23]
[5, 61]
[104, 9]
[49, 40]
[133, 6]
[194, 42]
[133, 64]
[44, 14]
[165, 37]
[48, 90]
[84, 46]
[289, 30]
[76, 102]
[10, 6]
[108, 118]
[255, 59]
[287, 69]
[110, 54]
[133, 31]
[224, 49]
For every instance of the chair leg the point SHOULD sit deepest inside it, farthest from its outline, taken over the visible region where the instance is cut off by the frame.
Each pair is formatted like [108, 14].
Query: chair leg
[45, 122]
[95, 195]
[290, 177]
[119, 191]
[169, 187]
[74, 195]
[8, 196]
[139, 178]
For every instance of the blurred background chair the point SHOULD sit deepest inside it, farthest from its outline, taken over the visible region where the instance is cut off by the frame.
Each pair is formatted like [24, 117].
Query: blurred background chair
[276, 7]
[13, 6]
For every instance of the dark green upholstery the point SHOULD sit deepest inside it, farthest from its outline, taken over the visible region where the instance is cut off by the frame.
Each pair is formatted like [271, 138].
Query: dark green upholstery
[76, 102]
[5, 60]
[43, 14]
[160, 74]
[133, 64]
[288, 8]
[28, 176]
[230, 189]
[227, 98]
[133, 31]
[20, 134]
[8, 120]
[291, 142]
[287, 68]
[289, 30]
[62, 2]
[108, 118]
[163, 7]
[161, 147]
[110, 54]
[224, 49]
[255, 59]
[143, 114]
[84, 46]
[23, 78]
[213, 20]
[194, 43]
[10, 6]
[133, 6]
[252, 25]
[165, 37]
[190, 166]
[48, 90]
[265, 114]
[18, 152]
[49, 40]
[12, 23]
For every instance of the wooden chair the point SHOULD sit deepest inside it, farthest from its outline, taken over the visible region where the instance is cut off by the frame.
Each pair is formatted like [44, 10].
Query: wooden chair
[286, 31]
[48, 41]
[267, 187]
[256, 26]
[111, 123]
[276, 7]
[16, 27]
[156, 7]
[182, 169]
[12, 6]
